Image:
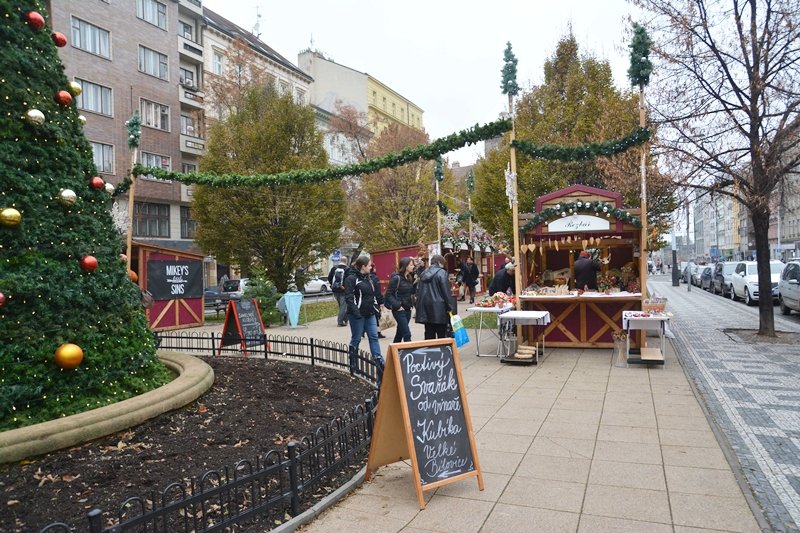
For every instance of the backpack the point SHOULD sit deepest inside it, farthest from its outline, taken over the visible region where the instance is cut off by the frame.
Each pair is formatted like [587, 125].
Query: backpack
[338, 279]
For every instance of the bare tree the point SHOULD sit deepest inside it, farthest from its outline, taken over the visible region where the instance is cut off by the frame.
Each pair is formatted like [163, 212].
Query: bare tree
[727, 102]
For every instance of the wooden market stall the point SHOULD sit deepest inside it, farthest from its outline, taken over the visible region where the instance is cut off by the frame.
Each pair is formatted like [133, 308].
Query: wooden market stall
[175, 280]
[566, 222]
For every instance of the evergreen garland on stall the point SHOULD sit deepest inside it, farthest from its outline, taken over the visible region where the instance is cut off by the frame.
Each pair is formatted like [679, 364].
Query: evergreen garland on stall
[596, 208]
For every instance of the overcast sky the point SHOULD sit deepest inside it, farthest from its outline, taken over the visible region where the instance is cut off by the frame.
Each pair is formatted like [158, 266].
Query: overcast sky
[445, 56]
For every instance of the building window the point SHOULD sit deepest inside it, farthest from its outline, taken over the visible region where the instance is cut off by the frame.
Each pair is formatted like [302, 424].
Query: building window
[93, 97]
[284, 87]
[384, 103]
[153, 12]
[187, 30]
[153, 63]
[188, 126]
[218, 63]
[188, 224]
[157, 161]
[90, 38]
[103, 155]
[155, 115]
[188, 167]
[394, 110]
[150, 220]
[272, 80]
[300, 96]
[374, 97]
[186, 77]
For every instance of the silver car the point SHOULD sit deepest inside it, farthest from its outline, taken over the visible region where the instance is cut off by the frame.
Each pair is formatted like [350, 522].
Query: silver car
[789, 288]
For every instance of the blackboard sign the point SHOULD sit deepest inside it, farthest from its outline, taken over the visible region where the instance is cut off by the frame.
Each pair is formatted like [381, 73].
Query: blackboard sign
[423, 415]
[171, 280]
[243, 324]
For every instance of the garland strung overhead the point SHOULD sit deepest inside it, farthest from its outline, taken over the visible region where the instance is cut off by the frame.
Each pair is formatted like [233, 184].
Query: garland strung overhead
[573, 208]
[320, 175]
[584, 152]
[443, 209]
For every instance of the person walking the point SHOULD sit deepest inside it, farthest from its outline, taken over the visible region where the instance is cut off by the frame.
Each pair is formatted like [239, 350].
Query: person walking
[433, 299]
[363, 309]
[399, 298]
[336, 279]
[586, 272]
[469, 277]
[377, 283]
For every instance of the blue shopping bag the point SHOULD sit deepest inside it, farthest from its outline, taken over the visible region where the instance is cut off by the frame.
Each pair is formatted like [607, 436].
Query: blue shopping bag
[459, 331]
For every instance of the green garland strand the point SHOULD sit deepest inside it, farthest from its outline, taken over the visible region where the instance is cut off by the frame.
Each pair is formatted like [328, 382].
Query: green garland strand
[641, 67]
[596, 208]
[585, 152]
[466, 215]
[470, 182]
[320, 175]
[134, 126]
[122, 187]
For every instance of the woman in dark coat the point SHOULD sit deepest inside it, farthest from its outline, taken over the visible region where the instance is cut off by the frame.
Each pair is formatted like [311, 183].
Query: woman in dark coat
[469, 277]
[399, 296]
[433, 299]
[363, 299]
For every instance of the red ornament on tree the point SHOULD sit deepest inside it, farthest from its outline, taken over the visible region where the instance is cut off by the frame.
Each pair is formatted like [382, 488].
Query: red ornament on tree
[2, 299]
[97, 183]
[63, 98]
[34, 20]
[88, 263]
[59, 38]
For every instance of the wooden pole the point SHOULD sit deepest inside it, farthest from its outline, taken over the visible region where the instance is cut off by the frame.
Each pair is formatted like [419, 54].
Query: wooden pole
[130, 210]
[643, 240]
[515, 217]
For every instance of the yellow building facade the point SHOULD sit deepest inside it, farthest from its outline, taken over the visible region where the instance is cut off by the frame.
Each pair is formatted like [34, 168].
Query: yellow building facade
[386, 106]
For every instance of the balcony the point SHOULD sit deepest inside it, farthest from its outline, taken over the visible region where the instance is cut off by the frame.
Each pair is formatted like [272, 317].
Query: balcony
[192, 145]
[191, 97]
[190, 50]
[191, 6]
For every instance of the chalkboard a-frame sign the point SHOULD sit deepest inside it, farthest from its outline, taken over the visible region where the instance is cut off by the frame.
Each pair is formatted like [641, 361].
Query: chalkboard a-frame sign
[243, 325]
[423, 415]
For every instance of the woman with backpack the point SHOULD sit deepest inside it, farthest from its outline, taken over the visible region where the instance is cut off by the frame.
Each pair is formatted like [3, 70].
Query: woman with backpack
[399, 298]
[363, 297]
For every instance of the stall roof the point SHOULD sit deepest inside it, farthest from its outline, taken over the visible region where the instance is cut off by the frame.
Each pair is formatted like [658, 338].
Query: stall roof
[585, 189]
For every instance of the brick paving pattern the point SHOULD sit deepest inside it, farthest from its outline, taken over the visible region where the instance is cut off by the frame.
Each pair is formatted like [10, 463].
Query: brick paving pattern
[751, 390]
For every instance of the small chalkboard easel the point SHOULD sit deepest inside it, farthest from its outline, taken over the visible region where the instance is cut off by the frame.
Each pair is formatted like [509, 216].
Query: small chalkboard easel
[423, 415]
[243, 325]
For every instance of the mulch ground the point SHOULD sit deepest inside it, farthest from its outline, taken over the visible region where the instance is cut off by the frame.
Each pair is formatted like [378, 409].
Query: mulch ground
[254, 406]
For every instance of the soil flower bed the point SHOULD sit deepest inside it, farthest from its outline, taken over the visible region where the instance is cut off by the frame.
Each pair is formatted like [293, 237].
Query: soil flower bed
[254, 406]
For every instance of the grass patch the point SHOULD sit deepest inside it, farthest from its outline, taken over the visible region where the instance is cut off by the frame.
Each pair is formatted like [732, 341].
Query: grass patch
[319, 310]
[489, 321]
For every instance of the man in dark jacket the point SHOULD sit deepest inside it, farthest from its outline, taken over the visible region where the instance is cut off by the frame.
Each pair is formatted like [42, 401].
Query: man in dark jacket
[433, 299]
[469, 277]
[504, 280]
[586, 272]
[336, 279]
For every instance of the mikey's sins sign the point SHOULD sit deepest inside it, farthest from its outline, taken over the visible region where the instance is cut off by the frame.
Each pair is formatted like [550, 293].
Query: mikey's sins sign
[170, 280]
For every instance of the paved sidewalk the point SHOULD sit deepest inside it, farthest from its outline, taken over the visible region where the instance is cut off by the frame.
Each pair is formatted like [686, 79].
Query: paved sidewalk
[574, 444]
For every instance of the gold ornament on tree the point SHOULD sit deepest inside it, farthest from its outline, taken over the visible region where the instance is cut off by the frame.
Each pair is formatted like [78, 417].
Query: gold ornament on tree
[67, 196]
[10, 217]
[74, 88]
[35, 117]
[68, 356]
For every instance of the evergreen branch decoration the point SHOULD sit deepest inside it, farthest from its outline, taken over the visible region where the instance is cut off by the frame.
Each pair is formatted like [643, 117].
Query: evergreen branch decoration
[641, 67]
[584, 152]
[470, 182]
[428, 152]
[134, 126]
[123, 187]
[444, 210]
[509, 71]
[597, 208]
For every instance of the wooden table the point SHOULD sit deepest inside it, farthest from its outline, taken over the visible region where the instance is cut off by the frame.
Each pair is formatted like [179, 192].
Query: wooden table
[508, 321]
[494, 310]
[645, 321]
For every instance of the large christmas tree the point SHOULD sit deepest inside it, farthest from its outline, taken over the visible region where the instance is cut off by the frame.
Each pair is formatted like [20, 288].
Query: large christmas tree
[73, 335]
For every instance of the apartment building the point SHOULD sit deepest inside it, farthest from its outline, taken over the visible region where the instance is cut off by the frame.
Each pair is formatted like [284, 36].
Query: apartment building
[143, 55]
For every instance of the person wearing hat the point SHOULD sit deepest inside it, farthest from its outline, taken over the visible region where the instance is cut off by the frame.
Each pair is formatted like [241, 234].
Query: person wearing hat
[586, 271]
[336, 279]
[503, 280]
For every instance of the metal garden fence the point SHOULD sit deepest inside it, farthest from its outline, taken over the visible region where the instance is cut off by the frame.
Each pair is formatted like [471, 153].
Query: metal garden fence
[273, 485]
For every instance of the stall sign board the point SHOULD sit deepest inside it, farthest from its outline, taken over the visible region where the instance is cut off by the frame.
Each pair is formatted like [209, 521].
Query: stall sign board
[172, 280]
[579, 223]
[243, 325]
[423, 415]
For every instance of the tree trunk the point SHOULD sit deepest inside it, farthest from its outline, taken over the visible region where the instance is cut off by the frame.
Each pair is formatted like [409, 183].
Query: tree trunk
[766, 325]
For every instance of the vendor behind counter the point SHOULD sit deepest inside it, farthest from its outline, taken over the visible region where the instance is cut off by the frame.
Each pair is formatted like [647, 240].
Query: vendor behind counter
[586, 270]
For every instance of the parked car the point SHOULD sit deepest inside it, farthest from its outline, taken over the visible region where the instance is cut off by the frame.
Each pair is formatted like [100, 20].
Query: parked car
[682, 269]
[721, 278]
[212, 298]
[234, 288]
[789, 288]
[744, 281]
[706, 278]
[694, 275]
[316, 284]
